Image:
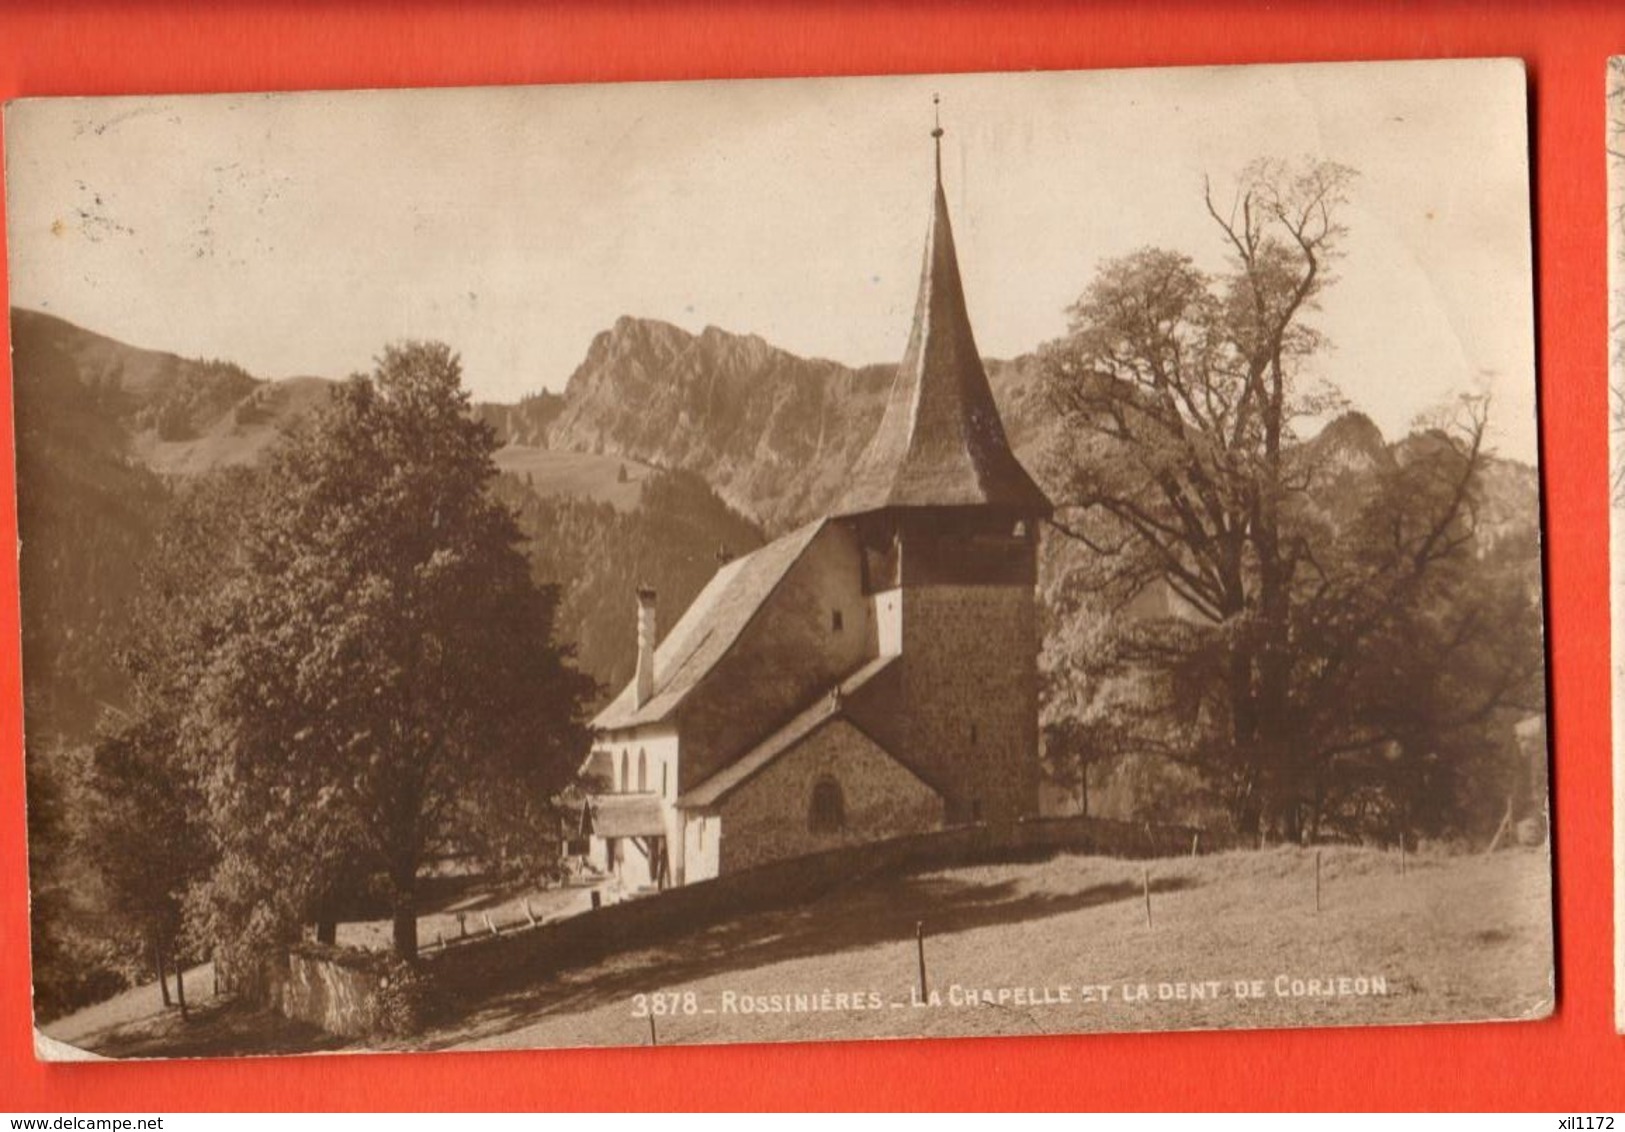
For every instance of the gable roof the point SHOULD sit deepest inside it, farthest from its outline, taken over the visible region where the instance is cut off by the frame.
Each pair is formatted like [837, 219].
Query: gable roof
[940, 442]
[599, 764]
[708, 629]
[826, 710]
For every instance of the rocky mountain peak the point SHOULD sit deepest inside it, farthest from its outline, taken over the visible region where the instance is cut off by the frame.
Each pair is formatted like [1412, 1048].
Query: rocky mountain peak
[1351, 442]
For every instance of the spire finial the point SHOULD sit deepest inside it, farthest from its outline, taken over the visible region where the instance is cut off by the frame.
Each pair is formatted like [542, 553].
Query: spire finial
[936, 132]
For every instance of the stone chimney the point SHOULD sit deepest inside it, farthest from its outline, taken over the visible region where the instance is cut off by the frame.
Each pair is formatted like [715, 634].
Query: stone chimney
[646, 645]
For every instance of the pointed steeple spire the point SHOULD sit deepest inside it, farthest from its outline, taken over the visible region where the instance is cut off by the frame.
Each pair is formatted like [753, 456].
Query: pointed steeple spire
[936, 134]
[940, 442]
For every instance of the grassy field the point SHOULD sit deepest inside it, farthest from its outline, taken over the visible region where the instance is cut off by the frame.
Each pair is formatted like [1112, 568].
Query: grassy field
[226, 442]
[580, 474]
[1457, 938]
[1053, 947]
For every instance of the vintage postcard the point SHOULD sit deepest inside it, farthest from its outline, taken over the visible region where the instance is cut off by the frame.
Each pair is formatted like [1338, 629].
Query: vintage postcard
[774, 561]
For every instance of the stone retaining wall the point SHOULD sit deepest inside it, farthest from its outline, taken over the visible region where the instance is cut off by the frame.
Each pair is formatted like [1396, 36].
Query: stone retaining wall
[353, 993]
[345, 991]
[527, 953]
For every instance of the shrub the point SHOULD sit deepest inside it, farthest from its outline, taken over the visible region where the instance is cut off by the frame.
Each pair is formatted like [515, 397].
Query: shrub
[402, 1005]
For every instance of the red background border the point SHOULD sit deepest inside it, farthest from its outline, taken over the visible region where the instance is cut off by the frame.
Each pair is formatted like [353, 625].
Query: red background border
[1572, 1062]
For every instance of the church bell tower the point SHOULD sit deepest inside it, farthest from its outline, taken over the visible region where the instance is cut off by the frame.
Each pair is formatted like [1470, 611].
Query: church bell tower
[948, 521]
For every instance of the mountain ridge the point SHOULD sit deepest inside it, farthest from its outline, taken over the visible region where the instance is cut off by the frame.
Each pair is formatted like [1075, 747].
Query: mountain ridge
[773, 432]
[760, 423]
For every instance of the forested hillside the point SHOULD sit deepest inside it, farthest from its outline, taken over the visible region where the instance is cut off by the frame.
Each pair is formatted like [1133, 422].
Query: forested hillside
[599, 555]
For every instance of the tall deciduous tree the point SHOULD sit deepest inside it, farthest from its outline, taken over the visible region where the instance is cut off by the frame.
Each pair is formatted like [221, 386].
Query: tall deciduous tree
[373, 674]
[146, 835]
[1185, 467]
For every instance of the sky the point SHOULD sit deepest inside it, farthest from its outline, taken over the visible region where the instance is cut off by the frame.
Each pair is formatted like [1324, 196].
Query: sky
[296, 234]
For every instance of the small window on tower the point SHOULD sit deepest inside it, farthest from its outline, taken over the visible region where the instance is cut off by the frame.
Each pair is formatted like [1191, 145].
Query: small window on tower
[836, 622]
[1021, 529]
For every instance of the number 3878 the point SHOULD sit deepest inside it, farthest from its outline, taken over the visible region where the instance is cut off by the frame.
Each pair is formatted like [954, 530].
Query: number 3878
[662, 1004]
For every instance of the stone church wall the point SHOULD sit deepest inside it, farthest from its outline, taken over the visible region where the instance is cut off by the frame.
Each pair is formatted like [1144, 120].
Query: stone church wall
[768, 817]
[970, 675]
[790, 653]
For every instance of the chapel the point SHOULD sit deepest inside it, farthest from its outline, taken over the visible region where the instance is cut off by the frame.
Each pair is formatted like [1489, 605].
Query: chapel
[871, 675]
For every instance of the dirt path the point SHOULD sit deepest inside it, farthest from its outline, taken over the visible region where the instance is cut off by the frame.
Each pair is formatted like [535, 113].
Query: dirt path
[139, 1004]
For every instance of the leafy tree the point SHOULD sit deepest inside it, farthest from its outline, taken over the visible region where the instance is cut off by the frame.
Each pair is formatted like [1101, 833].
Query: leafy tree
[1288, 577]
[1423, 644]
[149, 832]
[146, 836]
[76, 954]
[372, 673]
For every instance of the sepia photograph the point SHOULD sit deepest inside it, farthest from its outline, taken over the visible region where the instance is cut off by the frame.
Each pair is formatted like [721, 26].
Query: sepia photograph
[780, 560]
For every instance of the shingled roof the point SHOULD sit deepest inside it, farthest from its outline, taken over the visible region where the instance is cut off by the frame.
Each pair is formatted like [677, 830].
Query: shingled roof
[940, 442]
[708, 629]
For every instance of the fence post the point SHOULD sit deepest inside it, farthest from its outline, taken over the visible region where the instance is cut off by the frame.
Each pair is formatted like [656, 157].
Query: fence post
[1145, 885]
[158, 965]
[1317, 880]
[529, 915]
[1500, 831]
[1401, 852]
[919, 943]
[1196, 839]
[489, 923]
